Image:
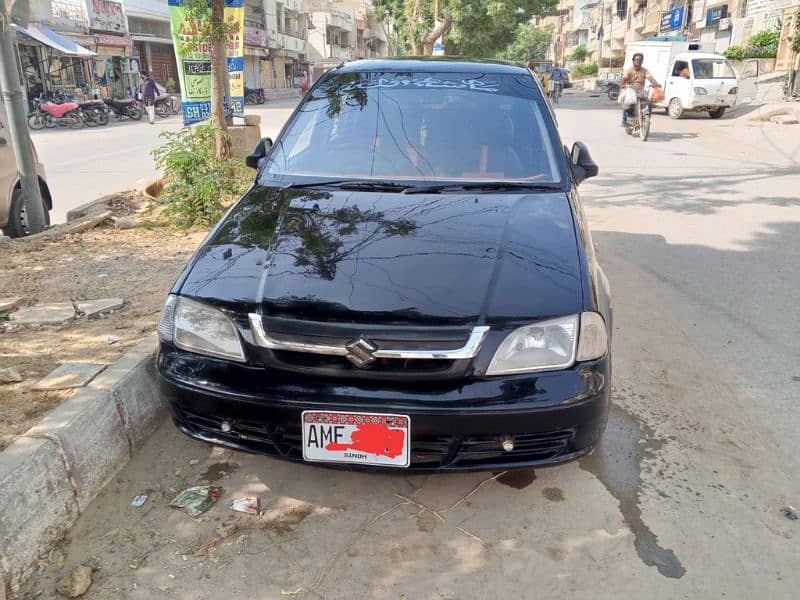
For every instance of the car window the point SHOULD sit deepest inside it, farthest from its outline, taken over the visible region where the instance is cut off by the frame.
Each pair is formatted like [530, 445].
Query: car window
[420, 126]
[678, 69]
[712, 68]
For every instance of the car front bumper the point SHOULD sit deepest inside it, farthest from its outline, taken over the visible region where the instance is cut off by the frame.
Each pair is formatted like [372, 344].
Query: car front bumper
[711, 102]
[552, 417]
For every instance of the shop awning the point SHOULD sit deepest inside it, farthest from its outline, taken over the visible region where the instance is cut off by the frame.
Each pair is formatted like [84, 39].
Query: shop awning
[57, 42]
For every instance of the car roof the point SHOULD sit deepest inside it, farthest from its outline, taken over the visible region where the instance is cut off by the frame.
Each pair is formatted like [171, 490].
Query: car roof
[692, 55]
[434, 64]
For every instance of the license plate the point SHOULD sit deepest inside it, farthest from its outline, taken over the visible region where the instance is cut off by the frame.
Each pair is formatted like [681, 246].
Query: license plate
[358, 438]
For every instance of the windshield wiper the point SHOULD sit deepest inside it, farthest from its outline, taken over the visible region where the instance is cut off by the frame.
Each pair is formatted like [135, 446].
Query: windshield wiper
[486, 186]
[367, 185]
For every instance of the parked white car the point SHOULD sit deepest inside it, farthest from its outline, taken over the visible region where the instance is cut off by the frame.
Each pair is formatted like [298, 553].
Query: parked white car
[12, 211]
[693, 80]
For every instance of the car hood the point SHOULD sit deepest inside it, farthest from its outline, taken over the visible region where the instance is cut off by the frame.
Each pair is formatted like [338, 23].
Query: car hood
[393, 258]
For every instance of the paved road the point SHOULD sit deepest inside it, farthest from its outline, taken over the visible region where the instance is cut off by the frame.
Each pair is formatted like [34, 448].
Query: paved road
[92, 162]
[699, 232]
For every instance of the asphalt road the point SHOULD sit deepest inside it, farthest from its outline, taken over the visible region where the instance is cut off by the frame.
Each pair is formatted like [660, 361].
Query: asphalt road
[699, 233]
[93, 162]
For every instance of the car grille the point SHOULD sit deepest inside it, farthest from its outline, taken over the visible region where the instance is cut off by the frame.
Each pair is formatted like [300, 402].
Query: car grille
[427, 452]
[397, 338]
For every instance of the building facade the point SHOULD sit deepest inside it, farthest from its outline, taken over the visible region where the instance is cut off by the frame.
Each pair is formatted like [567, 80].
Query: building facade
[607, 26]
[149, 24]
[287, 24]
[341, 31]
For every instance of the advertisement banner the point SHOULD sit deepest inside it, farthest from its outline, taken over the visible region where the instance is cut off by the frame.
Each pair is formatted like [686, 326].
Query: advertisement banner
[194, 64]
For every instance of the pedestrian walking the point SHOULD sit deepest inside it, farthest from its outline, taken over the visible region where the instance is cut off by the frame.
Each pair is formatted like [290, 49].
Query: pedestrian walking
[147, 94]
[304, 83]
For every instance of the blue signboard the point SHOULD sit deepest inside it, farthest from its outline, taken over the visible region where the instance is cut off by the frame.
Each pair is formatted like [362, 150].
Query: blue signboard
[672, 20]
[716, 14]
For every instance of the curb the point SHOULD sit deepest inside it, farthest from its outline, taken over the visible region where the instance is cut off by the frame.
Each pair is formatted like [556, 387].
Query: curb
[52, 473]
[96, 206]
[57, 232]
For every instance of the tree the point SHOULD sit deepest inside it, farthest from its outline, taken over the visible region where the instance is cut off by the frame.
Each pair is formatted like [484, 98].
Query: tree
[529, 42]
[481, 28]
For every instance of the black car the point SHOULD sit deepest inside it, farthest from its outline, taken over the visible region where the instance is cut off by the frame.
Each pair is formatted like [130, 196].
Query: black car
[410, 282]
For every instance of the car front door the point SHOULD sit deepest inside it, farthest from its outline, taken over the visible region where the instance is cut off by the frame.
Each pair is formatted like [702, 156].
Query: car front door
[679, 83]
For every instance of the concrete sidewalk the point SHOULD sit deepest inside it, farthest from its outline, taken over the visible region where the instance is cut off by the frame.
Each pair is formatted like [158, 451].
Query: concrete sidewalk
[52, 473]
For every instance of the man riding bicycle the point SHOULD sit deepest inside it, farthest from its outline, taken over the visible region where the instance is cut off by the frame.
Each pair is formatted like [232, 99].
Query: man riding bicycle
[636, 76]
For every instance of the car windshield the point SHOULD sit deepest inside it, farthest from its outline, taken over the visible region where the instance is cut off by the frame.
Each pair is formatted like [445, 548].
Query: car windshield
[430, 127]
[712, 68]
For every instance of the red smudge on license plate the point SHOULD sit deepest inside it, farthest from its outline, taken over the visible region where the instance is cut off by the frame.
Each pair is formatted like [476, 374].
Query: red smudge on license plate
[361, 438]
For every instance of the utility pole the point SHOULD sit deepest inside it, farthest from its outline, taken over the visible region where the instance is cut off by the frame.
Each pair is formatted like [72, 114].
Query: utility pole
[18, 124]
[602, 38]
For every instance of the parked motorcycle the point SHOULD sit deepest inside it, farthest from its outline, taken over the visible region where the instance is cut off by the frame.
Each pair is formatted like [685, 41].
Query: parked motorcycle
[50, 114]
[124, 109]
[254, 96]
[166, 106]
[94, 113]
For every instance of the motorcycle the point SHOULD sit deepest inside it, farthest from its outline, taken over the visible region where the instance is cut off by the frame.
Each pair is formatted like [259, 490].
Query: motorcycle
[612, 89]
[94, 113]
[555, 90]
[639, 122]
[50, 114]
[124, 109]
[254, 96]
[166, 105]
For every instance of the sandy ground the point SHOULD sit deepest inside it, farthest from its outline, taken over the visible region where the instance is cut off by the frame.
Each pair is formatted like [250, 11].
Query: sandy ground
[138, 265]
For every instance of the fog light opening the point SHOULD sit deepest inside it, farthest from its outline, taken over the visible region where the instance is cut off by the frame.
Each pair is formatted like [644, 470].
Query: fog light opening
[508, 444]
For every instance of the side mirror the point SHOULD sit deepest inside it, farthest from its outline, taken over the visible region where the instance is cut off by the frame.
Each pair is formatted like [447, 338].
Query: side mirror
[583, 166]
[259, 153]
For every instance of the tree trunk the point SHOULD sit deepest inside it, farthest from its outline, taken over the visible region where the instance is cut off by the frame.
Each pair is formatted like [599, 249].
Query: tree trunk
[218, 76]
[430, 38]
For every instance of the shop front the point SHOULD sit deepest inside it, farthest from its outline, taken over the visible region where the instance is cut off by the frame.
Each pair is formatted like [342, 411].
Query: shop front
[288, 67]
[111, 72]
[52, 64]
[255, 55]
[153, 49]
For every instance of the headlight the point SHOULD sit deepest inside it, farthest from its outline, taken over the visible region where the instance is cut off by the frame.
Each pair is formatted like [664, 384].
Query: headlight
[700, 91]
[197, 327]
[551, 345]
[546, 345]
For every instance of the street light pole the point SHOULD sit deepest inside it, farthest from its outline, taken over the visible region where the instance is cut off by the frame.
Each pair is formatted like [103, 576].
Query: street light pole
[18, 125]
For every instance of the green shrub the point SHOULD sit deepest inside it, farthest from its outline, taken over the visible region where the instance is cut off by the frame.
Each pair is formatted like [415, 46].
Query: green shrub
[764, 44]
[587, 69]
[765, 39]
[735, 53]
[198, 185]
[579, 53]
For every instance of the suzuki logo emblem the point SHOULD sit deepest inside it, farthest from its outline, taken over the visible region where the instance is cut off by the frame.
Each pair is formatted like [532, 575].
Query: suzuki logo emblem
[360, 352]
